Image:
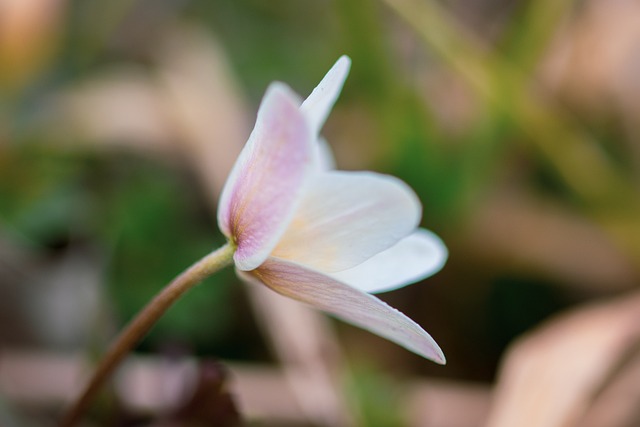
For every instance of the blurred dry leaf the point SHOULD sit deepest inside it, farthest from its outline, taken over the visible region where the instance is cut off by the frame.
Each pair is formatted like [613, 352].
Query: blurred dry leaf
[29, 30]
[538, 235]
[179, 393]
[191, 107]
[596, 59]
[156, 384]
[438, 403]
[206, 105]
[121, 106]
[595, 63]
[618, 403]
[38, 378]
[312, 362]
[41, 379]
[552, 376]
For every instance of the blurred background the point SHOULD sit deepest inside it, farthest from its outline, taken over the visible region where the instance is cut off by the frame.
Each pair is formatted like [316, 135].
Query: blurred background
[517, 123]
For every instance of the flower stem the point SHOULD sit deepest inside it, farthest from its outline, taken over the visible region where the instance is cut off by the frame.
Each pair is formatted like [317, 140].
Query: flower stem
[141, 324]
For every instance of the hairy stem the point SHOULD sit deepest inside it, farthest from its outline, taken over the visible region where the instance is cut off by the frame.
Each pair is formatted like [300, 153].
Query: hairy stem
[141, 324]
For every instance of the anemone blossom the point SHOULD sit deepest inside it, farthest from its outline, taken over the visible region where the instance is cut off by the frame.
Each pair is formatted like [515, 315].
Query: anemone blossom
[324, 237]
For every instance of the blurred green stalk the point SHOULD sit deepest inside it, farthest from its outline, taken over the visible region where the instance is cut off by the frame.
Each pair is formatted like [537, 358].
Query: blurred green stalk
[610, 198]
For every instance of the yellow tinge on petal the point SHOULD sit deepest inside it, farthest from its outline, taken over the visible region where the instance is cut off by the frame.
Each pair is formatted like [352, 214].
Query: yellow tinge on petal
[346, 218]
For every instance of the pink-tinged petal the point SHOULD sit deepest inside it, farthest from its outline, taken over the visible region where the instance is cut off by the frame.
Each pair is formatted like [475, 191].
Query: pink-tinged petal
[413, 258]
[346, 218]
[267, 181]
[349, 304]
[318, 105]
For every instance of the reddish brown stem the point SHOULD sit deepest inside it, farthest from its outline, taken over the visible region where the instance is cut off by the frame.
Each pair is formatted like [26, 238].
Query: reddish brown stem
[142, 323]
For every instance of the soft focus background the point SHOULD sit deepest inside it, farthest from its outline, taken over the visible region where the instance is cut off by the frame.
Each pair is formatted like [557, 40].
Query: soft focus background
[516, 122]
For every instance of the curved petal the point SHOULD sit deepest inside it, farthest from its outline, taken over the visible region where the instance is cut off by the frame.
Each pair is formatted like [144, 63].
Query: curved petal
[346, 218]
[413, 258]
[318, 105]
[266, 183]
[349, 304]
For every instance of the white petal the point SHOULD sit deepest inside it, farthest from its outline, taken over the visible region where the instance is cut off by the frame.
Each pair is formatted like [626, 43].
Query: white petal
[346, 218]
[349, 304]
[325, 160]
[413, 258]
[266, 183]
[318, 105]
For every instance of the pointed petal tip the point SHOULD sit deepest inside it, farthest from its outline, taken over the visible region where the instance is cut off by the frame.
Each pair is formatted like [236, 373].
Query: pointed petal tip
[338, 73]
[349, 304]
[430, 350]
[439, 358]
[319, 103]
[343, 64]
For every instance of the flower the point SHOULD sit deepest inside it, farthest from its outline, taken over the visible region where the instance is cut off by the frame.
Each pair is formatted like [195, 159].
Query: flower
[324, 237]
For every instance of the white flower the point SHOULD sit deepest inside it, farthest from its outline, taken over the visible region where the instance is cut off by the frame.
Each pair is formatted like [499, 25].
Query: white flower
[324, 237]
